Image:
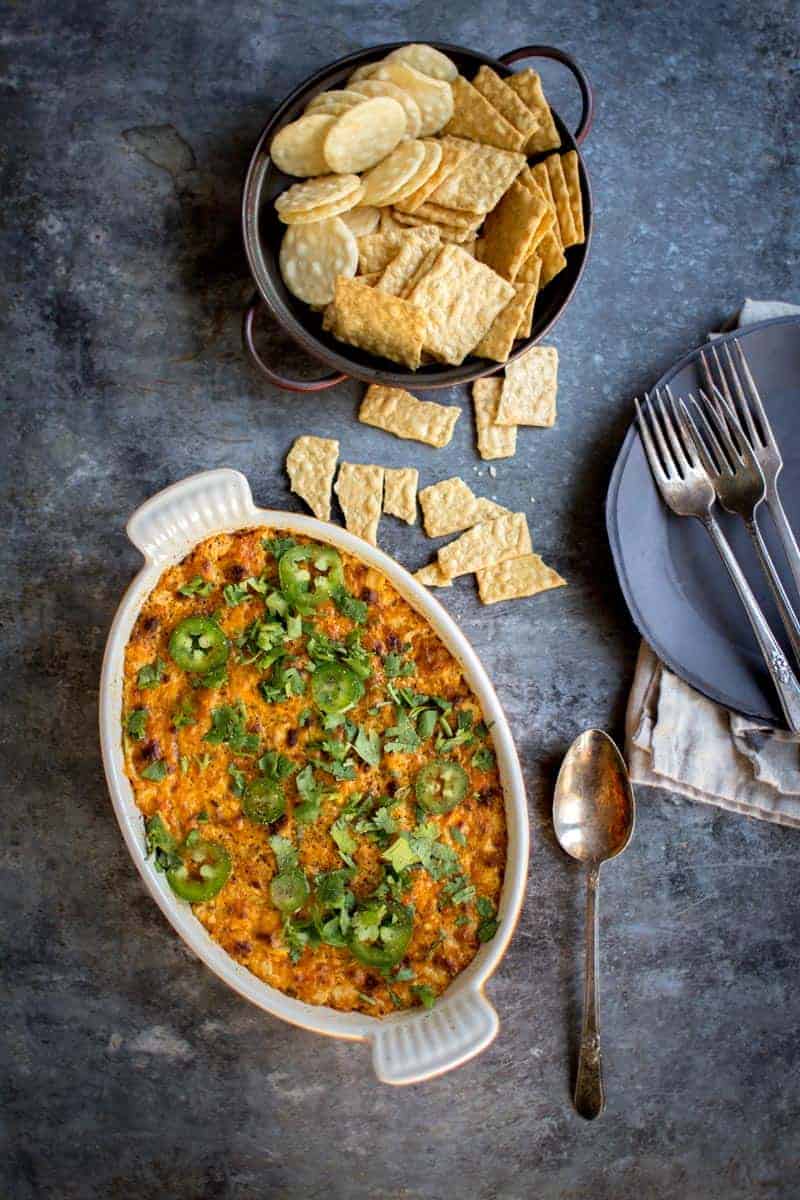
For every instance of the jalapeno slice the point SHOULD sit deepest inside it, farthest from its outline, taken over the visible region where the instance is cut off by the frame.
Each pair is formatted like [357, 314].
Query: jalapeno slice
[199, 645]
[203, 869]
[295, 578]
[263, 800]
[441, 785]
[335, 688]
[289, 890]
[393, 935]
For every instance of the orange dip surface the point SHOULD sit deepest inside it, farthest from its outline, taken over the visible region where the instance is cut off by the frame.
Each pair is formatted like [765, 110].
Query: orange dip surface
[354, 825]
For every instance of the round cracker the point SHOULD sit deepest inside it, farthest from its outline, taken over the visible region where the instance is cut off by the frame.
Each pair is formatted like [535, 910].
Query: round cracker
[324, 189]
[384, 87]
[430, 163]
[312, 257]
[394, 172]
[323, 211]
[364, 72]
[362, 220]
[365, 134]
[434, 98]
[426, 60]
[297, 149]
[334, 102]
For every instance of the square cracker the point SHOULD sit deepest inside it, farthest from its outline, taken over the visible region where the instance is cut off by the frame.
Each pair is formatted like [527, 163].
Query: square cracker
[477, 120]
[376, 251]
[542, 177]
[374, 321]
[551, 256]
[525, 576]
[529, 389]
[397, 411]
[431, 575]
[510, 229]
[403, 267]
[400, 493]
[460, 298]
[360, 491]
[494, 441]
[569, 162]
[478, 183]
[447, 507]
[448, 233]
[488, 510]
[506, 101]
[454, 151]
[532, 268]
[558, 183]
[440, 215]
[311, 466]
[485, 544]
[498, 341]
[528, 87]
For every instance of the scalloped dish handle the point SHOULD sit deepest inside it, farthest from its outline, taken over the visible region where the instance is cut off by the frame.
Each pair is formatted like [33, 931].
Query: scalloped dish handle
[189, 511]
[452, 1033]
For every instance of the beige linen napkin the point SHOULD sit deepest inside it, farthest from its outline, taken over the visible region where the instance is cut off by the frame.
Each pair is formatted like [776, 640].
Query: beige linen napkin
[677, 739]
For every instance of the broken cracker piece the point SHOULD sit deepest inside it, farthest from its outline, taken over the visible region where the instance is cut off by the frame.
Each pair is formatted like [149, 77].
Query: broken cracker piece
[311, 465]
[485, 544]
[400, 493]
[397, 411]
[447, 507]
[494, 441]
[431, 575]
[510, 229]
[518, 577]
[552, 258]
[360, 491]
[377, 322]
[506, 101]
[528, 87]
[569, 162]
[528, 395]
[498, 341]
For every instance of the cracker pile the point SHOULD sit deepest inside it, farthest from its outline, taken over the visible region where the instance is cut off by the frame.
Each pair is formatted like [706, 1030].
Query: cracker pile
[420, 228]
[496, 546]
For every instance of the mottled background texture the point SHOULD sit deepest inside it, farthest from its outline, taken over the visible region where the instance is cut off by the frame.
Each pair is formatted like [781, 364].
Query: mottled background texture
[128, 1070]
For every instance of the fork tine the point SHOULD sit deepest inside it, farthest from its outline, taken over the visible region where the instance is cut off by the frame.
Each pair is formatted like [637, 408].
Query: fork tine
[670, 466]
[675, 445]
[733, 427]
[721, 425]
[744, 407]
[704, 439]
[684, 435]
[765, 432]
[649, 445]
[721, 375]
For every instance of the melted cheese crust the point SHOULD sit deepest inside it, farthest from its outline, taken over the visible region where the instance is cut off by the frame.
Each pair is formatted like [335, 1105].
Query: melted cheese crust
[241, 918]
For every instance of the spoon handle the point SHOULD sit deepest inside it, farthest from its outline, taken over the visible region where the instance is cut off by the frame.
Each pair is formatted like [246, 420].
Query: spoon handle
[590, 1096]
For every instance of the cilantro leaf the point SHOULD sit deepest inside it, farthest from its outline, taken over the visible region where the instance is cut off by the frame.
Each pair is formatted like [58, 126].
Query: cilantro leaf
[151, 674]
[483, 759]
[348, 606]
[395, 666]
[136, 724]
[212, 679]
[400, 854]
[401, 738]
[276, 766]
[367, 922]
[487, 930]
[196, 587]
[157, 771]
[311, 792]
[295, 939]
[426, 997]
[184, 715]
[343, 837]
[367, 746]
[228, 724]
[235, 593]
[458, 835]
[278, 546]
[426, 722]
[160, 843]
[239, 780]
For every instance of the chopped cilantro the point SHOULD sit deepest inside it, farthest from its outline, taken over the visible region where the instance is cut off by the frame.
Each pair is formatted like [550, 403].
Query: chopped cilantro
[202, 816]
[311, 794]
[367, 922]
[151, 674]
[183, 762]
[483, 759]
[235, 593]
[184, 714]
[212, 679]
[460, 920]
[403, 974]
[488, 925]
[157, 771]
[395, 666]
[196, 587]
[203, 761]
[278, 546]
[426, 997]
[401, 738]
[295, 939]
[239, 780]
[366, 999]
[160, 843]
[463, 895]
[463, 735]
[367, 746]
[342, 836]
[426, 722]
[276, 766]
[228, 724]
[304, 717]
[458, 835]
[348, 606]
[400, 854]
[395, 999]
[487, 930]
[136, 724]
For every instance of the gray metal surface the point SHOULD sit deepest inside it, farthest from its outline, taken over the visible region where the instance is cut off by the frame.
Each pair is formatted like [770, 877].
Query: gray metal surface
[127, 1069]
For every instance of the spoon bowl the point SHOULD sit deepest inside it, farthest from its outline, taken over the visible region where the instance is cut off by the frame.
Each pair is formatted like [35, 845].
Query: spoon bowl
[594, 813]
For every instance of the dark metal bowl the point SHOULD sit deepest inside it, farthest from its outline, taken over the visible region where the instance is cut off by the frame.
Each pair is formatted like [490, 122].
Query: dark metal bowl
[263, 232]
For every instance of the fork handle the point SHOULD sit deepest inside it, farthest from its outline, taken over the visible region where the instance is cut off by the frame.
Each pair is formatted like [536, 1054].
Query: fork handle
[782, 601]
[781, 673]
[786, 534]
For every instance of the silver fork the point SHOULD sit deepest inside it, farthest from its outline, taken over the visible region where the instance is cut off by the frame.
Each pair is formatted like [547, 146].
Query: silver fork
[739, 485]
[760, 435]
[688, 491]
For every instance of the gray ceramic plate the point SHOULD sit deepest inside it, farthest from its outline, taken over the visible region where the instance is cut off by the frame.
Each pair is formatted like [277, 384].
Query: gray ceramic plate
[678, 593]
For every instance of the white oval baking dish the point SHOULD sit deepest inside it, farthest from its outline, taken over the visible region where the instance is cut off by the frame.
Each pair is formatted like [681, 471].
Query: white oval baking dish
[407, 1047]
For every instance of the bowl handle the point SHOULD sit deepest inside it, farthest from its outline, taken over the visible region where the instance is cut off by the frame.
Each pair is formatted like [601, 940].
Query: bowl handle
[587, 96]
[281, 381]
[185, 513]
[412, 1051]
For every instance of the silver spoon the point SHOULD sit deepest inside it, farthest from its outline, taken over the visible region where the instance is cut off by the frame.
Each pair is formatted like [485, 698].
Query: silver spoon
[594, 813]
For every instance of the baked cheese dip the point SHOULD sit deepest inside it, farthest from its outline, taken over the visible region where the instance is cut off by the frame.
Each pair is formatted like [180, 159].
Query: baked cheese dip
[315, 772]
